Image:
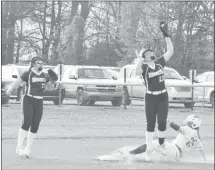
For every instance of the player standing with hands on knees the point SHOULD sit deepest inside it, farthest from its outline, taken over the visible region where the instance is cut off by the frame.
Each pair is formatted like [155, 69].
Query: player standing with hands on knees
[32, 104]
[156, 97]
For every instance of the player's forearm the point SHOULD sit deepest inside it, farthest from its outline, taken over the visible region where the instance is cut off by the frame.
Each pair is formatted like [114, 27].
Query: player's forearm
[15, 84]
[174, 125]
[138, 67]
[170, 49]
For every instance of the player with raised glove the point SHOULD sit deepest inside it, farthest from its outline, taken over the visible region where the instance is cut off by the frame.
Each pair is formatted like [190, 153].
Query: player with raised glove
[156, 96]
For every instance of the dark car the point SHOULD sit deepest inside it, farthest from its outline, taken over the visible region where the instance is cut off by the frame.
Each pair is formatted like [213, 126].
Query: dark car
[4, 86]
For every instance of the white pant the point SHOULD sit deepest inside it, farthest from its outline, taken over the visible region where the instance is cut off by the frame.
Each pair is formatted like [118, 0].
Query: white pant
[172, 153]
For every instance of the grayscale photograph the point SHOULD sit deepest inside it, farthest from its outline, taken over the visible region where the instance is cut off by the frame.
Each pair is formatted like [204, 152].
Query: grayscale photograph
[107, 84]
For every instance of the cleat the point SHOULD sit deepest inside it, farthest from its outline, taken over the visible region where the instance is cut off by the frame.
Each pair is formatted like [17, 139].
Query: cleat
[162, 148]
[27, 153]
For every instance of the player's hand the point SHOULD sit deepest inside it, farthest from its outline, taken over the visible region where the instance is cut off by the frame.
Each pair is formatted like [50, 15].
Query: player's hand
[164, 29]
[139, 56]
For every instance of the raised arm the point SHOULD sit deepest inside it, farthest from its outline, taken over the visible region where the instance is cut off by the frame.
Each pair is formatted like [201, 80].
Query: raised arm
[138, 64]
[170, 49]
[166, 34]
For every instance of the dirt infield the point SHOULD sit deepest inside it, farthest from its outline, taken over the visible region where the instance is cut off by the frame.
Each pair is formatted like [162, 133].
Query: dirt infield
[70, 137]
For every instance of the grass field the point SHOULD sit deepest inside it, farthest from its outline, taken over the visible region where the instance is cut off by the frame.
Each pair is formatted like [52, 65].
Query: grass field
[71, 137]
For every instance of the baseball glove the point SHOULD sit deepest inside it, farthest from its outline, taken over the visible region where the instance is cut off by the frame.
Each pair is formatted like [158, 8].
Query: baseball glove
[52, 75]
[164, 29]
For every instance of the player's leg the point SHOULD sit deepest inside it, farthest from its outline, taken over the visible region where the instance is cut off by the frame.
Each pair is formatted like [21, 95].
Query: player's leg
[150, 110]
[139, 150]
[162, 113]
[37, 116]
[27, 111]
[172, 152]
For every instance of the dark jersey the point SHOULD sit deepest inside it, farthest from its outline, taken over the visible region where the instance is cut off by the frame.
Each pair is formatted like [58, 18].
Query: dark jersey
[35, 83]
[154, 78]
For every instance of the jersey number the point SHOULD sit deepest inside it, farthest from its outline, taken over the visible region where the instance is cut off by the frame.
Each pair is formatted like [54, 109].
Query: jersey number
[161, 78]
[191, 143]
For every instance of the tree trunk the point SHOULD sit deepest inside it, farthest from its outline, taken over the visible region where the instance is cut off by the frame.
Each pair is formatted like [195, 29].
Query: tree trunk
[19, 42]
[51, 34]
[85, 9]
[107, 39]
[5, 12]
[11, 32]
[44, 32]
[57, 33]
[74, 11]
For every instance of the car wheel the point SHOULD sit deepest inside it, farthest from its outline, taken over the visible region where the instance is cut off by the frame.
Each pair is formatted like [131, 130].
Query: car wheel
[116, 102]
[80, 98]
[56, 101]
[212, 99]
[91, 102]
[5, 100]
[189, 105]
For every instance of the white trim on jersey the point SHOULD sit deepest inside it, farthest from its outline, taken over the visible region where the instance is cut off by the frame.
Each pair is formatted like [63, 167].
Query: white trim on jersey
[147, 85]
[160, 66]
[29, 82]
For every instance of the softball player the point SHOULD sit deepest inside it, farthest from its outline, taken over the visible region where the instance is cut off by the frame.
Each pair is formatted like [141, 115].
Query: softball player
[156, 97]
[187, 140]
[32, 104]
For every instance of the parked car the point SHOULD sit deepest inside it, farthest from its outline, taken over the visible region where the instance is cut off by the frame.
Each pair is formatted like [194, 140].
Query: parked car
[172, 77]
[89, 94]
[11, 72]
[4, 86]
[206, 78]
[114, 71]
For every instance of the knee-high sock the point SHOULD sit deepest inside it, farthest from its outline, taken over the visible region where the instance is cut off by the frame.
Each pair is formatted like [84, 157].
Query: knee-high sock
[31, 137]
[149, 139]
[22, 134]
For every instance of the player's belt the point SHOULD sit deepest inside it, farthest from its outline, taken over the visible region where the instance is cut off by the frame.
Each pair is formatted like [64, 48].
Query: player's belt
[36, 97]
[156, 92]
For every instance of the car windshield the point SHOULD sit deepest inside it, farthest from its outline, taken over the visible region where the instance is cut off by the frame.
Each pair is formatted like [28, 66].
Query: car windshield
[6, 72]
[115, 69]
[210, 78]
[93, 73]
[171, 74]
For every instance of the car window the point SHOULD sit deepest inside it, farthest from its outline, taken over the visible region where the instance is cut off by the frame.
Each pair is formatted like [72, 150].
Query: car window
[7, 72]
[73, 71]
[201, 78]
[96, 73]
[116, 69]
[172, 74]
[210, 78]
